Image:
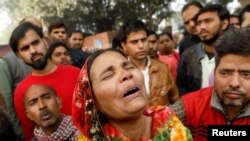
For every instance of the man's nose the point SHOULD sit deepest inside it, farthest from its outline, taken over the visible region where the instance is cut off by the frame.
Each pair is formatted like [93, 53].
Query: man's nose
[235, 82]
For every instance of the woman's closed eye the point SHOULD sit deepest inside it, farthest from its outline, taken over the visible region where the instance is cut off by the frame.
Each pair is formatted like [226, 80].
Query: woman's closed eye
[107, 75]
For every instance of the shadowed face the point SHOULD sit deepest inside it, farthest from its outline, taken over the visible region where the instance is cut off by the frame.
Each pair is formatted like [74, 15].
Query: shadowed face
[61, 56]
[76, 40]
[188, 21]
[118, 86]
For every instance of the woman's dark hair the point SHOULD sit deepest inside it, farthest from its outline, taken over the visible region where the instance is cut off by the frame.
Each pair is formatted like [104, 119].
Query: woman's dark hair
[55, 45]
[166, 33]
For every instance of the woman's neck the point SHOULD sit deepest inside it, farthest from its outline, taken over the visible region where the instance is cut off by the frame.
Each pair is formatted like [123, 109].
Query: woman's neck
[134, 129]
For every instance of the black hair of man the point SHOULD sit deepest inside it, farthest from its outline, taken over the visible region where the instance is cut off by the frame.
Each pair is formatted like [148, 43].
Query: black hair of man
[193, 3]
[55, 45]
[221, 10]
[75, 31]
[20, 31]
[116, 42]
[234, 41]
[133, 25]
[57, 24]
[151, 32]
[242, 12]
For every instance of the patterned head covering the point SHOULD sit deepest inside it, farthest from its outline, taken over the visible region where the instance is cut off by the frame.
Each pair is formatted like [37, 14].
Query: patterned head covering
[84, 110]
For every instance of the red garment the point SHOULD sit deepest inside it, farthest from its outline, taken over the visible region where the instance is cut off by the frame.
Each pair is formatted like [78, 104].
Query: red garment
[200, 114]
[172, 61]
[63, 80]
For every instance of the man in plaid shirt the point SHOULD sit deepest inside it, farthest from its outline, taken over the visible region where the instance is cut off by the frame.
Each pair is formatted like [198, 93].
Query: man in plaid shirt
[43, 107]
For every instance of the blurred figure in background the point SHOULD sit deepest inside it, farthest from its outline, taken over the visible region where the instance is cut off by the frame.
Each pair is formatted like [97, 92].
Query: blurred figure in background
[188, 13]
[167, 53]
[152, 44]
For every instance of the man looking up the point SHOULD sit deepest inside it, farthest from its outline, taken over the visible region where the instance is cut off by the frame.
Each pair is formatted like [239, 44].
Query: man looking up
[43, 107]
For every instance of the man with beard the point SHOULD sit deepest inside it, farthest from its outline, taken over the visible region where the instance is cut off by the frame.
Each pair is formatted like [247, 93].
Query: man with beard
[43, 107]
[227, 102]
[196, 65]
[160, 85]
[28, 42]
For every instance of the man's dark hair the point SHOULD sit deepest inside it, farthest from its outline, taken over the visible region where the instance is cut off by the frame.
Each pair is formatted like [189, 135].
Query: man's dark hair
[193, 3]
[116, 42]
[151, 32]
[75, 31]
[55, 45]
[20, 31]
[221, 10]
[242, 12]
[131, 26]
[233, 41]
[56, 24]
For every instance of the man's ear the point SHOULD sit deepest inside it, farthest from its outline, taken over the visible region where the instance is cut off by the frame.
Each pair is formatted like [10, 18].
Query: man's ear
[124, 47]
[58, 100]
[46, 43]
[225, 24]
[28, 115]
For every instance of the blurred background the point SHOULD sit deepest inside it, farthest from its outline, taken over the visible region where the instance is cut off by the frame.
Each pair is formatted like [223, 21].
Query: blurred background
[96, 16]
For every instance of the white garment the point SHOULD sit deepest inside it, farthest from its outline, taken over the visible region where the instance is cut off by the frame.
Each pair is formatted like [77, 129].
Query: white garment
[145, 73]
[207, 71]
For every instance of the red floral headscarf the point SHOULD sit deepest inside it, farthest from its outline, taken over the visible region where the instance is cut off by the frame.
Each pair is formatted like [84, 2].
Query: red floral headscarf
[84, 110]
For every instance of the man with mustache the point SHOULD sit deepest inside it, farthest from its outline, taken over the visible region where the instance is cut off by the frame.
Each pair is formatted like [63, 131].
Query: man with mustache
[227, 102]
[27, 42]
[196, 65]
[43, 107]
[160, 85]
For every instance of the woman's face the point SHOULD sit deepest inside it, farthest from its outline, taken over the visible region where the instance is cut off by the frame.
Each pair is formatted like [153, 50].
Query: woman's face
[165, 43]
[118, 86]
